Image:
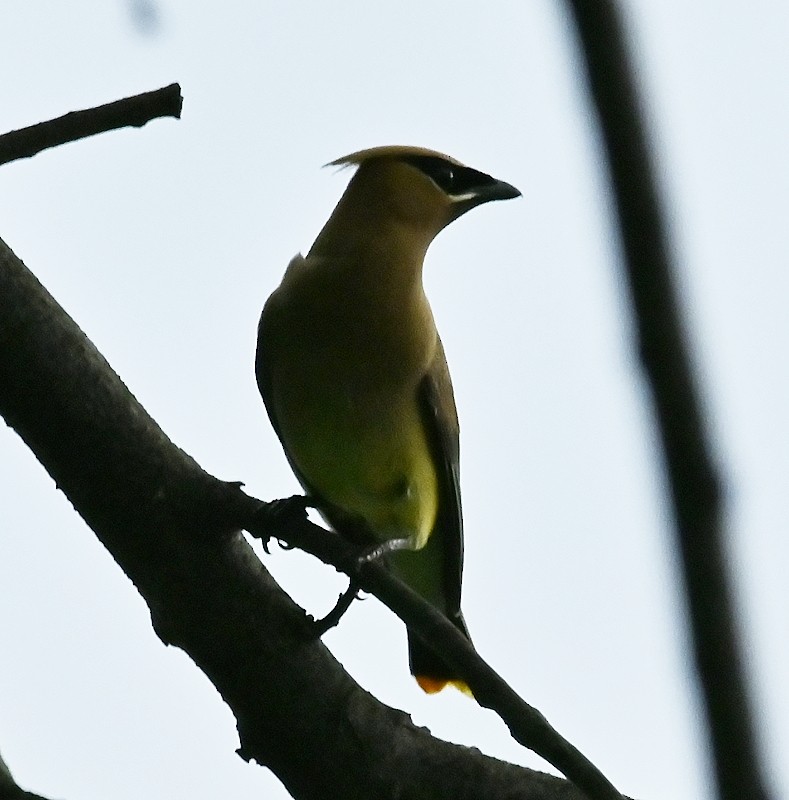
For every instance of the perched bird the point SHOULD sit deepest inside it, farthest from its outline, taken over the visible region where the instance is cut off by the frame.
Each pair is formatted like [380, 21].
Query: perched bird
[355, 381]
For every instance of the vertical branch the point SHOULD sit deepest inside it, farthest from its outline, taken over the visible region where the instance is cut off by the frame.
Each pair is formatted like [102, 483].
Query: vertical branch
[692, 475]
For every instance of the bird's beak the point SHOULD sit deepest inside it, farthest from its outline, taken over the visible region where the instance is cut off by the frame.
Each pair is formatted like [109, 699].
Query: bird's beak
[498, 190]
[494, 190]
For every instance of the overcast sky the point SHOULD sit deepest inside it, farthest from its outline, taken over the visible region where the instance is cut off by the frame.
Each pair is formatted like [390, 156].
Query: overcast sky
[163, 244]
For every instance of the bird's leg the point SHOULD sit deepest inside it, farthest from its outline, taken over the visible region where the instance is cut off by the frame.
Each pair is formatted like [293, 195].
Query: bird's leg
[319, 626]
[389, 546]
[372, 553]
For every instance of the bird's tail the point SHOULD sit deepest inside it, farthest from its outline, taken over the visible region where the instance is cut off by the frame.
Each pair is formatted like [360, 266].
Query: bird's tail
[430, 671]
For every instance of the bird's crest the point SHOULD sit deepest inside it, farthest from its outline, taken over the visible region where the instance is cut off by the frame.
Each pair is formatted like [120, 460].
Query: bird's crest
[388, 151]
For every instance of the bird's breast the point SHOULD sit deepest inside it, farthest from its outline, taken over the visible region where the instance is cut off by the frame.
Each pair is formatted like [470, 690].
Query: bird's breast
[344, 389]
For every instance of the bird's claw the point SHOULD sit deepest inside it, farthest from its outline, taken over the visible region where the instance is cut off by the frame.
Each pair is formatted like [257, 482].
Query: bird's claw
[287, 508]
[277, 514]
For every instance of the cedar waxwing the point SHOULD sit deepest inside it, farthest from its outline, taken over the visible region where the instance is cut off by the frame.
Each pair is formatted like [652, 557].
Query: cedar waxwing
[355, 382]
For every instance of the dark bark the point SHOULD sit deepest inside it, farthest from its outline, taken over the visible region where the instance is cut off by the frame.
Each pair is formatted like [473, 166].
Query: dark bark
[131, 111]
[173, 530]
[687, 453]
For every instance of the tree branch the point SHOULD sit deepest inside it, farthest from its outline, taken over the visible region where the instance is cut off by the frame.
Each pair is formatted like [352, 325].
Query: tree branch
[526, 724]
[131, 111]
[692, 473]
[9, 790]
[173, 530]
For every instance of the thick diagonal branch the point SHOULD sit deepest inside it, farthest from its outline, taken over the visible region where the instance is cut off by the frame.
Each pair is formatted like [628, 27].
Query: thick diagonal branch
[172, 529]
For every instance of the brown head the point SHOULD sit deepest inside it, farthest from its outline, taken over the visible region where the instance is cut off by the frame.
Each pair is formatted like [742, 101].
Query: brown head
[409, 193]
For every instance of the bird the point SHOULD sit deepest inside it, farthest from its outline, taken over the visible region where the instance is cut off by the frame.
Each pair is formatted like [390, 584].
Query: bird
[354, 378]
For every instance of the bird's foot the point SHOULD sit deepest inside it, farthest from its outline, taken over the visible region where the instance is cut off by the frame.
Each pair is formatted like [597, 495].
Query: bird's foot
[279, 514]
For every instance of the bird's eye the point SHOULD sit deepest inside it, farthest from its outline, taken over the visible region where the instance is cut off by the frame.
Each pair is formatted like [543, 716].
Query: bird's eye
[454, 179]
[440, 171]
[443, 174]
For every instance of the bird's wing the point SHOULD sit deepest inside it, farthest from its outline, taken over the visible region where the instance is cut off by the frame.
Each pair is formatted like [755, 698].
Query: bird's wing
[263, 373]
[263, 376]
[439, 413]
[353, 529]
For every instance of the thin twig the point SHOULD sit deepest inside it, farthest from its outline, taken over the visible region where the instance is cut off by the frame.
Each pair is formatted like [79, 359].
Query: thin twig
[692, 473]
[332, 619]
[287, 521]
[131, 111]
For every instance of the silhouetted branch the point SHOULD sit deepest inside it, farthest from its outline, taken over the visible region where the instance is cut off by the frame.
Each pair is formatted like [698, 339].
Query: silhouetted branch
[9, 790]
[131, 111]
[692, 474]
[173, 529]
[526, 724]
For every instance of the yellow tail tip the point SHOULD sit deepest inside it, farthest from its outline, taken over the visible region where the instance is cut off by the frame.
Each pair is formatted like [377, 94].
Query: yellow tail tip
[435, 685]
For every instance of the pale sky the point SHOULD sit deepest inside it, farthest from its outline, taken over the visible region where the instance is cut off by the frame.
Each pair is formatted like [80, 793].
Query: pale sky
[163, 244]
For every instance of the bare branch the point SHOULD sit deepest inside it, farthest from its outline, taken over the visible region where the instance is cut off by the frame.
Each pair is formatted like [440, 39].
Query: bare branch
[173, 530]
[131, 111]
[662, 344]
[9, 790]
[526, 724]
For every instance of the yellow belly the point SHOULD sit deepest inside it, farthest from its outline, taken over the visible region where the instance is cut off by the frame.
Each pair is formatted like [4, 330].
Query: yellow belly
[369, 458]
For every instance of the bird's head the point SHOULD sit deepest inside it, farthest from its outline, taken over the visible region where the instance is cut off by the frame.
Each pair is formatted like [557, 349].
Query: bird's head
[399, 199]
[420, 186]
